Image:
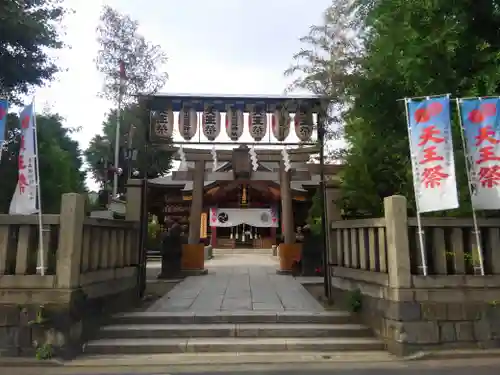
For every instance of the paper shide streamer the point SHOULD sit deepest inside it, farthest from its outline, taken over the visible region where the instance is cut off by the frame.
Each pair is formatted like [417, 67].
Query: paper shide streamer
[182, 157]
[214, 159]
[286, 159]
[253, 159]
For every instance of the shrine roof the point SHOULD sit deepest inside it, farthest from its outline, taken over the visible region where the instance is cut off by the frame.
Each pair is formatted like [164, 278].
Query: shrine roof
[188, 185]
[220, 101]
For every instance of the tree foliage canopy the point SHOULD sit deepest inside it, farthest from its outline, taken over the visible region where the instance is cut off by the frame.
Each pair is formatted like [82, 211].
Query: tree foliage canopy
[120, 41]
[28, 31]
[407, 49]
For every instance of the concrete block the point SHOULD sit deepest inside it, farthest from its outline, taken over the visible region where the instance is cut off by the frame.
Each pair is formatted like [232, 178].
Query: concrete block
[464, 331]
[421, 332]
[402, 311]
[447, 332]
[482, 330]
[433, 311]
[9, 315]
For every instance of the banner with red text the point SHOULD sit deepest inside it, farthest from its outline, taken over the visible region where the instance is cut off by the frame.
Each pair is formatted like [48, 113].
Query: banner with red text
[481, 129]
[431, 147]
[24, 199]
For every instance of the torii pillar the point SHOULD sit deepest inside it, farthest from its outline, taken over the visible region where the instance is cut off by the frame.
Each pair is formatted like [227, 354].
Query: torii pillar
[193, 253]
[287, 222]
[289, 251]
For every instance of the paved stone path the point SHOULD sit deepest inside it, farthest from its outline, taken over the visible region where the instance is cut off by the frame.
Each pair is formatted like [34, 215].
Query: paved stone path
[238, 283]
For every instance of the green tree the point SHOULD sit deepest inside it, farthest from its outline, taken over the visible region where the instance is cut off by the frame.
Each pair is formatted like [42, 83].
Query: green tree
[136, 119]
[60, 162]
[315, 217]
[121, 42]
[324, 66]
[28, 31]
[412, 48]
[408, 48]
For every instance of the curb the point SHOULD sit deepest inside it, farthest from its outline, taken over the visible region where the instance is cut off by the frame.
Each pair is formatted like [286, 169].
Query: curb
[454, 354]
[30, 362]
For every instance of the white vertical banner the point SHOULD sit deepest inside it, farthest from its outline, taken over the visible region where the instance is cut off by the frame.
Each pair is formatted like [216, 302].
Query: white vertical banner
[431, 148]
[481, 130]
[24, 201]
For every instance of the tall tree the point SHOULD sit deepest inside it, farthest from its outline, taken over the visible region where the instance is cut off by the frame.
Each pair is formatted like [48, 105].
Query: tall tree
[325, 65]
[28, 31]
[60, 162]
[122, 44]
[407, 48]
[413, 48]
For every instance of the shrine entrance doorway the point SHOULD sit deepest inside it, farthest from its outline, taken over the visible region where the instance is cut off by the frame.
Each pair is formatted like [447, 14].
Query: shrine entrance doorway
[244, 227]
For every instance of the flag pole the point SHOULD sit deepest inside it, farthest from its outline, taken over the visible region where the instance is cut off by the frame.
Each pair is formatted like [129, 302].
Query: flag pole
[419, 222]
[469, 184]
[41, 251]
[117, 136]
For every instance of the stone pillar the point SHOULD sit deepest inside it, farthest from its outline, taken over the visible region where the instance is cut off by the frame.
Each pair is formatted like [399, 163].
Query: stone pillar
[196, 203]
[133, 194]
[286, 207]
[133, 213]
[332, 193]
[69, 251]
[398, 247]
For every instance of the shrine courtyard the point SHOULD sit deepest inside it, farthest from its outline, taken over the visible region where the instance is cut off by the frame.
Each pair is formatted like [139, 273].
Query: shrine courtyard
[237, 282]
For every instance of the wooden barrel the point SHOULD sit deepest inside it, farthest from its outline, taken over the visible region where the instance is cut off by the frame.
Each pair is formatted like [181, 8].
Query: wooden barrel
[288, 253]
[193, 257]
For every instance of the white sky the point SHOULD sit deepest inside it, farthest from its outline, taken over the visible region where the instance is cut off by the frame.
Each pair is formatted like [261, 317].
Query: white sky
[216, 46]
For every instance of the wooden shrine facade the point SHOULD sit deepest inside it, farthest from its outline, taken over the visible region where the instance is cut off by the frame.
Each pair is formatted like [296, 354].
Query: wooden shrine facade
[170, 200]
[278, 181]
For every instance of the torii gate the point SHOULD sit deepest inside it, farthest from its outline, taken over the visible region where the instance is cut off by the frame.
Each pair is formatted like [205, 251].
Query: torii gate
[162, 108]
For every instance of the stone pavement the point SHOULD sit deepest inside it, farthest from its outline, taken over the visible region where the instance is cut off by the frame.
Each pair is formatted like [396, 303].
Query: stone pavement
[238, 283]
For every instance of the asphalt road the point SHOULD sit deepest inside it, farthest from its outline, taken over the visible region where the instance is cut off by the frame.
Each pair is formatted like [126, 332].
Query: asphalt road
[471, 366]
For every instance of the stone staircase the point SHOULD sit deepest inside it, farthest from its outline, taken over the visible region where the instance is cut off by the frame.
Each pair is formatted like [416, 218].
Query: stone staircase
[231, 332]
[225, 243]
[225, 251]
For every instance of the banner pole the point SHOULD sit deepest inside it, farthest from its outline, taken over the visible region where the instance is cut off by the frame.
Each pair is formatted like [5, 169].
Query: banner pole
[41, 252]
[415, 190]
[477, 233]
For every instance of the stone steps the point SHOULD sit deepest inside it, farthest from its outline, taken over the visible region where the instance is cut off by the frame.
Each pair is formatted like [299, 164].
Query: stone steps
[234, 317]
[225, 330]
[208, 362]
[234, 344]
[228, 251]
[232, 332]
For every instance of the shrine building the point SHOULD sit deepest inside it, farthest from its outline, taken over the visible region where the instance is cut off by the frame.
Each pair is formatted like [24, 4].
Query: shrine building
[254, 195]
[247, 211]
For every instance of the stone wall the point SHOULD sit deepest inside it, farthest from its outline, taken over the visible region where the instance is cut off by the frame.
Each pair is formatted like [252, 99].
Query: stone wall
[63, 326]
[448, 308]
[91, 270]
[425, 319]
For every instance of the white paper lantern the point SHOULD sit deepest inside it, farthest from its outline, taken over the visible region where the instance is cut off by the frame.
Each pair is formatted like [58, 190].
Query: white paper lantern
[162, 123]
[234, 123]
[211, 123]
[188, 123]
[281, 124]
[257, 123]
[303, 122]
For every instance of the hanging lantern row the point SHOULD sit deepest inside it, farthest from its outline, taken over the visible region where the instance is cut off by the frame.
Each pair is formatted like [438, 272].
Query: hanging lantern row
[234, 123]
[211, 123]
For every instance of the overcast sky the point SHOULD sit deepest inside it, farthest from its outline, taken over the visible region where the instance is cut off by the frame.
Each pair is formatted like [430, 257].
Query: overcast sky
[214, 46]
